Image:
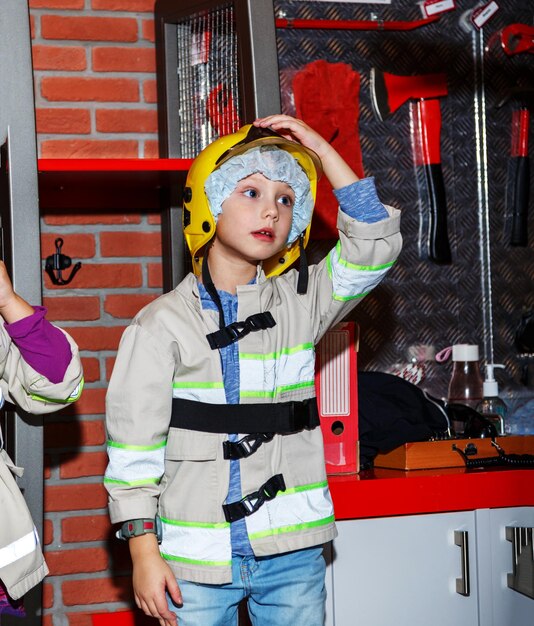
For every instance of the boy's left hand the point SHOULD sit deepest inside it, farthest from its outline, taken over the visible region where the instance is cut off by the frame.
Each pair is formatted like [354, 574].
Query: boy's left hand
[335, 168]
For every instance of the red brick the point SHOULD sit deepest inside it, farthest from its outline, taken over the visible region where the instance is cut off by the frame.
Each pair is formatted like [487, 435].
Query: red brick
[112, 275]
[96, 338]
[134, 244]
[92, 218]
[87, 528]
[155, 275]
[91, 369]
[91, 402]
[74, 434]
[151, 151]
[150, 91]
[110, 362]
[59, 58]
[48, 596]
[126, 121]
[154, 218]
[46, 620]
[48, 532]
[57, 4]
[85, 89]
[88, 28]
[80, 246]
[75, 497]
[72, 308]
[126, 306]
[96, 590]
[83, 464]
[80, 619]
[117, 59]
[124, 5]
[75, 121]
[32, 26]
[80, 561]
[148, 30]
[90, 149]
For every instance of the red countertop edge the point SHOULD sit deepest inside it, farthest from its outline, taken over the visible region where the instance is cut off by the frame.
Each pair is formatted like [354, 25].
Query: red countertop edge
[387, 493]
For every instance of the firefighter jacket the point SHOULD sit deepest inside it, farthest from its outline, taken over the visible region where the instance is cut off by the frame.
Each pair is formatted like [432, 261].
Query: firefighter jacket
[180, 473]
[22, 565]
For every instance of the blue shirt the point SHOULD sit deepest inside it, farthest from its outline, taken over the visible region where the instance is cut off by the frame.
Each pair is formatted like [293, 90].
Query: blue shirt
[360, 201]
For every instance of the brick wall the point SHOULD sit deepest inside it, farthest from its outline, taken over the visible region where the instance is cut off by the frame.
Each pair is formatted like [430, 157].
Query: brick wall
[94, 67]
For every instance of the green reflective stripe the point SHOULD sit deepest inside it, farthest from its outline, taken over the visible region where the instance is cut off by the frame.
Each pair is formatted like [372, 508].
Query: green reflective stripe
[175, 522]
[301, 488]
[347, 298]
[277, 390]
[363, 268]
[276, 355]
[125, 446]
[292, 528]
[71, 398]
[132, 483]
[197, 385]
[329, 264]
[181, 559]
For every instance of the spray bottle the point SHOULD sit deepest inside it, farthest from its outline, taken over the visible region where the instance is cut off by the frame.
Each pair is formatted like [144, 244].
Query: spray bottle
[491, 406]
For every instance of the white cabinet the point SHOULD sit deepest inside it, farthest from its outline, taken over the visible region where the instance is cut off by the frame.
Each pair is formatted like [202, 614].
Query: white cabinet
[439, 569]
[505, 536]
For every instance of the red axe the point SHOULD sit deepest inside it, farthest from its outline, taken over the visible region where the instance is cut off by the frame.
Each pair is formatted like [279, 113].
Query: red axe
[388, 93]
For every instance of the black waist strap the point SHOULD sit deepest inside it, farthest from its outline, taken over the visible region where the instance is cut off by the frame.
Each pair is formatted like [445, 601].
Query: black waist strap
[251, 503]
[233, 332]
[279, 417]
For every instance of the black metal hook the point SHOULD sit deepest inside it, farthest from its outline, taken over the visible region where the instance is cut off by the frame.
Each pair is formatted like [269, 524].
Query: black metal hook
[58, 262]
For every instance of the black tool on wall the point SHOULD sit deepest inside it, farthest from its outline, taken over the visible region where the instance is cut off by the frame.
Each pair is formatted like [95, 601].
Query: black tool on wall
[57, 262]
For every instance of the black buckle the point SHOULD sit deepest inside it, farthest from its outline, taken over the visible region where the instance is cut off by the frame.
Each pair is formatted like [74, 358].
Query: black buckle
[251, 503]
[233, 332]
[245, 446]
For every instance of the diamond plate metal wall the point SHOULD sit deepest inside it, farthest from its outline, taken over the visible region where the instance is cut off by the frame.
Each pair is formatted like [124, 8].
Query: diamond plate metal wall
[480, 296]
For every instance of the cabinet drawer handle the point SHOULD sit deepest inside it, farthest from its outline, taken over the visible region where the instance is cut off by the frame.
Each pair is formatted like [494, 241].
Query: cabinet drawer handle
[461, 539]
[522, 577]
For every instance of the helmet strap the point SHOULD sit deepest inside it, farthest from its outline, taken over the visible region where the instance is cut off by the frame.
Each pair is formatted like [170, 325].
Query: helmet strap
[210, 288]
[302, 282]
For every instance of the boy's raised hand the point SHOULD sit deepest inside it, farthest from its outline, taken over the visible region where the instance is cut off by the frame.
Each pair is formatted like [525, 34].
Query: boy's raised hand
[335, 168]
[12, 306]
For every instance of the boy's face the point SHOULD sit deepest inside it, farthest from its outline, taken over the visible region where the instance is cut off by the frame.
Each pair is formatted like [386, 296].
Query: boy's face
[256, 219]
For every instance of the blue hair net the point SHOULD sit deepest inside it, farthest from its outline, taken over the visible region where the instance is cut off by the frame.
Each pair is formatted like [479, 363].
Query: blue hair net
[275, 164]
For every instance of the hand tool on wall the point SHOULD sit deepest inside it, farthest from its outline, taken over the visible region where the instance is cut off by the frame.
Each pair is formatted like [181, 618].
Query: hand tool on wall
[518, 176]
[326, 97]
[388, 93]
[516, 38]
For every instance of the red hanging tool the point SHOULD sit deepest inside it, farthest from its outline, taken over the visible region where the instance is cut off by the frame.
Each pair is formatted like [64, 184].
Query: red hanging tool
[388, 93]
[516, 38]
[355, 24]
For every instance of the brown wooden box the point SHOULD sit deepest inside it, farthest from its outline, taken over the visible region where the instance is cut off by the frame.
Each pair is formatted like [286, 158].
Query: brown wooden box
[437, 454]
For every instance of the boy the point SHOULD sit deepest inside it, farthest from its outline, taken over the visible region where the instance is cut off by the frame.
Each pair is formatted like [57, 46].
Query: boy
[231, 350]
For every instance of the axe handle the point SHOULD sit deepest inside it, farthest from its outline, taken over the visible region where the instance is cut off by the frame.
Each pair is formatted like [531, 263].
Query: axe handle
[429, 155]
[520, 178]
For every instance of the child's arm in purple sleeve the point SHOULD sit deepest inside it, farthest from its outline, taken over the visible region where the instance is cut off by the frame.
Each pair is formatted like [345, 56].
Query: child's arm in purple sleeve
[42, 345]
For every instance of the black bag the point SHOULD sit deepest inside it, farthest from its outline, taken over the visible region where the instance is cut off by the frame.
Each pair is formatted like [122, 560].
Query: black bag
[393, 411]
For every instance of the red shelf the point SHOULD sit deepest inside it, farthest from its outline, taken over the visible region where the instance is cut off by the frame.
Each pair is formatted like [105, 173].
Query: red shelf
[110, 184]
[386, 493]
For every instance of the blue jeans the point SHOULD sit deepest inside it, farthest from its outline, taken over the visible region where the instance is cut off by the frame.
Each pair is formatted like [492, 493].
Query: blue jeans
[281, 589]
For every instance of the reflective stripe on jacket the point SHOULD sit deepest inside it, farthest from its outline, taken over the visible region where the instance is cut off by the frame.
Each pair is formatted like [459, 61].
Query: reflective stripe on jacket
[182, 473]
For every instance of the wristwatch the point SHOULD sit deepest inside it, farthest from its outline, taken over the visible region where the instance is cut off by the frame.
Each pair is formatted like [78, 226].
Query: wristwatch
[138, 527]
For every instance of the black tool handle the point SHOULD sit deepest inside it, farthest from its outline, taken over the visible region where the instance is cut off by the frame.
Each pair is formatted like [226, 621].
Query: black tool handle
[521, 192]
[439, 250]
